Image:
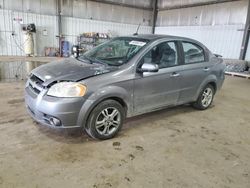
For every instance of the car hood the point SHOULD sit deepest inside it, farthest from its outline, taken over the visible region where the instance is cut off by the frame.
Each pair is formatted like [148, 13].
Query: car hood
[69, 69]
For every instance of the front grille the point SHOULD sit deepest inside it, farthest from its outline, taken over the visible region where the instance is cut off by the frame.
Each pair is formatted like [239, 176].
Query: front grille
[35, 90]
[36, 80]
[35, 84]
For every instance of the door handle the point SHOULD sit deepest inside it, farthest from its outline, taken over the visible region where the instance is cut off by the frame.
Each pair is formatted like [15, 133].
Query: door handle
[174, 74]
[206, 69]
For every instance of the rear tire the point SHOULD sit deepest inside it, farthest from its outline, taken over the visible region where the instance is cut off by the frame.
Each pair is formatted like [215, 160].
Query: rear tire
[205, 98]
[105, 120]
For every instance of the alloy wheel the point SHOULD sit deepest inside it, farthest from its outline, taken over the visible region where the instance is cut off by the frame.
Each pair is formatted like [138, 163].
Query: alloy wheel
[207, 97]
[108, 121]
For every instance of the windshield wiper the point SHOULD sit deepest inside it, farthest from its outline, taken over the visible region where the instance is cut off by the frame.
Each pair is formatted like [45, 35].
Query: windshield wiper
[99, 61]
[90, 61]
[79, 59]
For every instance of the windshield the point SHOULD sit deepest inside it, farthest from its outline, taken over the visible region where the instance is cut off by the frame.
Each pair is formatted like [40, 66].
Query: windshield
[115, 52]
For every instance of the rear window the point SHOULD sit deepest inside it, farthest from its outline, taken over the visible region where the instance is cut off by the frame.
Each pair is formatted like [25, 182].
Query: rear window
[193, 53]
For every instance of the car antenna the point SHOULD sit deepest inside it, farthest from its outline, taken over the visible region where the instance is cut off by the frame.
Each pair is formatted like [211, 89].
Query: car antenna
[136, 33]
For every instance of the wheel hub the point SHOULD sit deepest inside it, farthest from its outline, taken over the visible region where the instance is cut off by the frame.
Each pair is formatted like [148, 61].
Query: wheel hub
[108, 121]
[207, 97]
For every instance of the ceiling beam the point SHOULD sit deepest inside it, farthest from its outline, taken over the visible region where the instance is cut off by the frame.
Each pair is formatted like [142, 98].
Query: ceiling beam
[196, 4]
[122, 4]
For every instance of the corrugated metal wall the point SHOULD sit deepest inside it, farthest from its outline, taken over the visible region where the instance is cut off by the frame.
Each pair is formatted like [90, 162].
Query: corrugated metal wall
[86, 9]
[218, 26]
[78, 16]
[224, 19]
[108, 12]
[13, 71]
[11, 36]
[220, 39]
[73, 26]
[229, 13]
[13, 44]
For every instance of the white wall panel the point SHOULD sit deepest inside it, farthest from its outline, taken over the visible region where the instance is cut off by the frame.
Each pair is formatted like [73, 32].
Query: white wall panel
[217, 14]
[221, 39]
[247, 58]
[218, 26]
[30, 6]
[13, 70]
[75, 26]
[107, 12]
[13, 44]
[86, 9]
[114, 13]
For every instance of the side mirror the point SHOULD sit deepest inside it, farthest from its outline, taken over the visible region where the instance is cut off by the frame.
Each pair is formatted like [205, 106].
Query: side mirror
[149, 67]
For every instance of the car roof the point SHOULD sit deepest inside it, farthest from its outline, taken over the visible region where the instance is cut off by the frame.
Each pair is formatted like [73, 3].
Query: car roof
[154, 37]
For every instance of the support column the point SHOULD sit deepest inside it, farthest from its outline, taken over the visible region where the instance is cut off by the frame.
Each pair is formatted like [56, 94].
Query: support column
[59, 24]
[246, 35]
[155, 12]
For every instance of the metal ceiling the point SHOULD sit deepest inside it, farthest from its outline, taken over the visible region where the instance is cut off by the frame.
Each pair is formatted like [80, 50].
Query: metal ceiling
[120, 11]
[162, 4]
[49, 6]
[140, 4]
[177, 4]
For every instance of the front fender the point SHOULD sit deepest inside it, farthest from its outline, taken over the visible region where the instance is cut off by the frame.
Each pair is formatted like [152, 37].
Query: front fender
[101, 95]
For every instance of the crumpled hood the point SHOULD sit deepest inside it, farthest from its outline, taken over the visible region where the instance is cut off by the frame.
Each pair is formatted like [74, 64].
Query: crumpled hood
[69, 69]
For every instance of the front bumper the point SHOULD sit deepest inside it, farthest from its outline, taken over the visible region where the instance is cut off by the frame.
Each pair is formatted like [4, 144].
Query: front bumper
[43, 108]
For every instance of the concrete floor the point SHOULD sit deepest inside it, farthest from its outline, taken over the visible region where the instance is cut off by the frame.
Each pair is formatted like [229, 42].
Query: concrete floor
[178, 147]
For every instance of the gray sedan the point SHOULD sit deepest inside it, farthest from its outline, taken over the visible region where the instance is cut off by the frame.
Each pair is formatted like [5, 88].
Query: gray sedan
[123, 77]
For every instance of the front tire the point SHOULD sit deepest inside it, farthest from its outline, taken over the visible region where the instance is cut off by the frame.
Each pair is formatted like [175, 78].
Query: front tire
[205, 98]
[105, 120]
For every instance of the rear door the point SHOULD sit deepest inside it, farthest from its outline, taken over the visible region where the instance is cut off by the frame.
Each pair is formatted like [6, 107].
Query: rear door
[158, 89]
[195, 68]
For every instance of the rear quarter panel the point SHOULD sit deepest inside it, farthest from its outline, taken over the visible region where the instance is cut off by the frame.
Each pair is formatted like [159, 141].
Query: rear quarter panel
[216, 74]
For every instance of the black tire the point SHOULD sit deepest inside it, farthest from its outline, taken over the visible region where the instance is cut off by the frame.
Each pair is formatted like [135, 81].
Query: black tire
[98, 114]
[199, 104]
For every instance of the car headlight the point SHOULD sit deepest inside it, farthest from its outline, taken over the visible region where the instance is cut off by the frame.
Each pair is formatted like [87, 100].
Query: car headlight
[67, 89]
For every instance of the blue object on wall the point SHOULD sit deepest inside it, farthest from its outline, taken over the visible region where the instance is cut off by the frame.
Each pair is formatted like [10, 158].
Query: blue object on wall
[65, 48]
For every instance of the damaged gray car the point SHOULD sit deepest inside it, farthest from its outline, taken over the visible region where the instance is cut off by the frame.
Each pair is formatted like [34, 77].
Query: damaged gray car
[121, 78]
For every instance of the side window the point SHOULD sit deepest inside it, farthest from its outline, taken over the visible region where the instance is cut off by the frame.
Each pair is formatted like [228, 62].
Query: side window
[193, 53]
[163, 54]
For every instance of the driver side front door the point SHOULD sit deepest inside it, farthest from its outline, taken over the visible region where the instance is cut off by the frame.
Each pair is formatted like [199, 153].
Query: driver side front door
[153, 90]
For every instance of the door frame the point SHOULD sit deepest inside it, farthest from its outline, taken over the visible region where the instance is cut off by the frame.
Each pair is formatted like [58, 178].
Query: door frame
[155, 43]
[139, 75]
